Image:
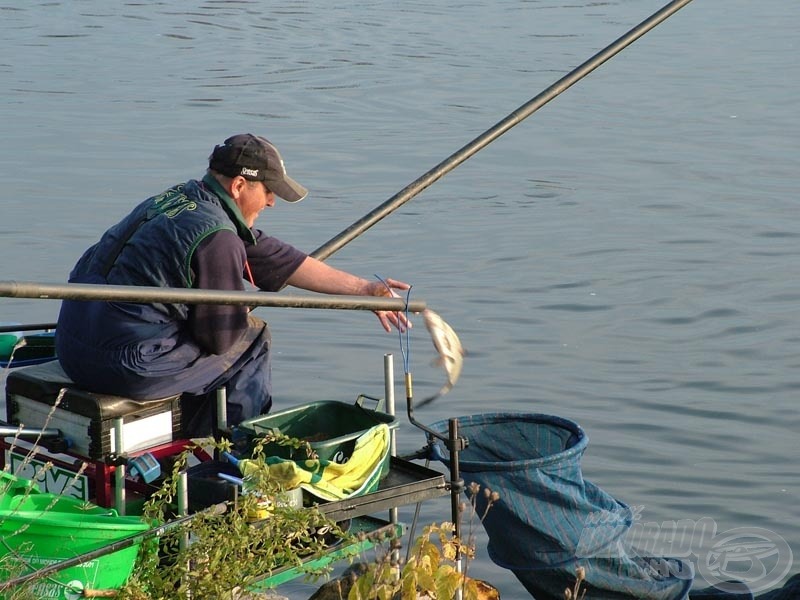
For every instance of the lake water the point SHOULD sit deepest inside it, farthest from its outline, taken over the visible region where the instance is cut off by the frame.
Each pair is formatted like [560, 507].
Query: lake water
[628, 257]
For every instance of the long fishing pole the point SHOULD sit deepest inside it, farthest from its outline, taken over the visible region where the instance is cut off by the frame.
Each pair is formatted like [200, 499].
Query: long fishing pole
[487, 137]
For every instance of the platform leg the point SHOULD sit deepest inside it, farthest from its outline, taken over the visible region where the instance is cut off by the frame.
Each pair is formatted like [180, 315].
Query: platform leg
[222, 408]
[119, 473]
[388, 378]
[456, 487]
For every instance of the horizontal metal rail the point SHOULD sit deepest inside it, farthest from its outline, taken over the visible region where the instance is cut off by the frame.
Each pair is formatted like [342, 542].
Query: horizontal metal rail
[142, 294]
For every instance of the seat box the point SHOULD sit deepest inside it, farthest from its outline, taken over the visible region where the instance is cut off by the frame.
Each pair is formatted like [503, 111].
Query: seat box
[34, 398]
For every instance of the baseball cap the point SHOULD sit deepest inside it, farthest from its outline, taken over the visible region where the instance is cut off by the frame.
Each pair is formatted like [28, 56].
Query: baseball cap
[256, 159]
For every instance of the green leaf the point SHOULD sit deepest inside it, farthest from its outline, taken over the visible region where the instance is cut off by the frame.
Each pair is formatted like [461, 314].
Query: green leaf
[447, 582]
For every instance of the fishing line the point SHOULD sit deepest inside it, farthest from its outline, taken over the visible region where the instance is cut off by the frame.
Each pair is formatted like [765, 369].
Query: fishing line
[404, 352]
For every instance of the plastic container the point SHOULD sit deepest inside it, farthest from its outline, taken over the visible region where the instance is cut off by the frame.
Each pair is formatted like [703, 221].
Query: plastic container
[330, 427]
[264, 505]
[12, 486]
[205, 486]
[20, 350]
[39, 529]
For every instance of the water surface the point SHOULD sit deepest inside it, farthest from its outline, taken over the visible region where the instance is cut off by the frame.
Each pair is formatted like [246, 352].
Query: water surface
[627, 258]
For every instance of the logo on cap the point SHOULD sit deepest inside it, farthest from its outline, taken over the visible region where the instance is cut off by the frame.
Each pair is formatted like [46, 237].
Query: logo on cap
[250, 172]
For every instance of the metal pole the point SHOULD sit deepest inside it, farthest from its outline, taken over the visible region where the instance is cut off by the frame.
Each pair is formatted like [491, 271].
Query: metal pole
[183, 493]
[222, 407]
[487, 137]
[388, 378]
[388, 382]
[183, 504]
[144, 294]
[456, 487]
[25, 432]
[119, 470]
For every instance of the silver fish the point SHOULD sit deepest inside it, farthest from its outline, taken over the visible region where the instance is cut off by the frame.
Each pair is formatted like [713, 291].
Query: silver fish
[451, 352]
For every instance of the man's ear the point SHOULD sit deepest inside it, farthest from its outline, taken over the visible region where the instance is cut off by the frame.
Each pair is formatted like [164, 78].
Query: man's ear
[237, 184]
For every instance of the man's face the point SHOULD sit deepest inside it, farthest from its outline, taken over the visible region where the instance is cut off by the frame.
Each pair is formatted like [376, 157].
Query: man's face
[251, 197]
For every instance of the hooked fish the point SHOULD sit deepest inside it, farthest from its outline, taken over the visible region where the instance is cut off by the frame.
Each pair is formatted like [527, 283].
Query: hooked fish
[451, 352]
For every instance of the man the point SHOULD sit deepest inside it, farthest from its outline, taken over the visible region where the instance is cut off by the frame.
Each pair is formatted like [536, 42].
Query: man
[198, 234]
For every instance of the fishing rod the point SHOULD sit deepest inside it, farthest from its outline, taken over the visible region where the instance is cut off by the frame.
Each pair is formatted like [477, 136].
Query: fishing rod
[458, 157]
[487, 137]
[132, 293]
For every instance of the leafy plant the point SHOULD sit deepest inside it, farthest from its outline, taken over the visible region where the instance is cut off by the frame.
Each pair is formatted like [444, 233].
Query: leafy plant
[432, 567]
[215, 554]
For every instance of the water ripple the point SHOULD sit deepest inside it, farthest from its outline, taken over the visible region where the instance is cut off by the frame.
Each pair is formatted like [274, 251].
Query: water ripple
[626, 258]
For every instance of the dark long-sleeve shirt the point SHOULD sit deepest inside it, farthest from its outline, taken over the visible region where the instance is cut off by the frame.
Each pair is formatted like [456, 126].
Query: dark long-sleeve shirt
[218, 265]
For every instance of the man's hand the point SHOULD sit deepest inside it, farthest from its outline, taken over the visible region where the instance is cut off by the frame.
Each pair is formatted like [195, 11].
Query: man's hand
[388, 318]
[318, 276]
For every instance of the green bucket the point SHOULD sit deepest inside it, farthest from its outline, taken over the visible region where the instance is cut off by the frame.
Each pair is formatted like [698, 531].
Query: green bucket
[11, 487]
[40, 529]
[330, 427]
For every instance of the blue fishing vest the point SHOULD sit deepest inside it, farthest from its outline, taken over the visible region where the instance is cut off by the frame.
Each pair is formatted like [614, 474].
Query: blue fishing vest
[154, 244]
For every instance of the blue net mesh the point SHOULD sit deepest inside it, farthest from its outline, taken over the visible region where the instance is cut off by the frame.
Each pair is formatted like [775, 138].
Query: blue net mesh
[549, 520]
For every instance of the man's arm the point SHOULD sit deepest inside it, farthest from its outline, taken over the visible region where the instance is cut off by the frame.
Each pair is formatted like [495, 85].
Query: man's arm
[317, 276]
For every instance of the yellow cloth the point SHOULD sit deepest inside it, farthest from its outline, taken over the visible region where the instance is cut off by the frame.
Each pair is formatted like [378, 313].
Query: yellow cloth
[327, 479]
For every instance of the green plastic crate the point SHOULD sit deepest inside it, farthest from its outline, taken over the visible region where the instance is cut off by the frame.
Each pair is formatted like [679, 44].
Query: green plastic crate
[329, 426]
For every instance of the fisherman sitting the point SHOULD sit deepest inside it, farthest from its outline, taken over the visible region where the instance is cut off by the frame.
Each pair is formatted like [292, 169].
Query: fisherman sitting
[198, 234]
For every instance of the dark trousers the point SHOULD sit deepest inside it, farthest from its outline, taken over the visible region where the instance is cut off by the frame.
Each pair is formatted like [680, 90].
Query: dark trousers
[163, 363]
